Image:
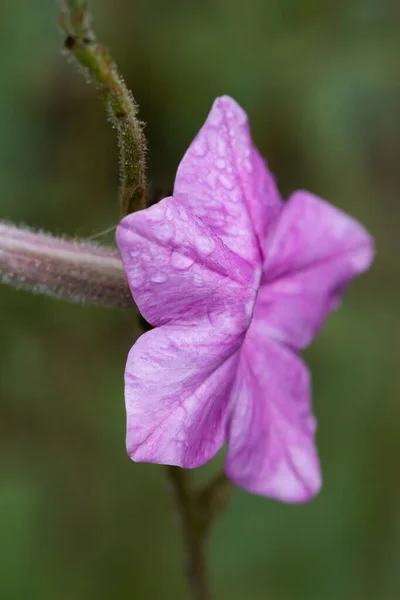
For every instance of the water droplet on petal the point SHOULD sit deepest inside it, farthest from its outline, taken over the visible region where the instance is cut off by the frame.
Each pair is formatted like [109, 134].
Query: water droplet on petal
[181, 261]
[199, 146]
[136, 277]
[169, 214]
[226, 181]
[164, 231]
[205, 245]
[159, 277]
[222, 147]
[247, 165]
[223, 322]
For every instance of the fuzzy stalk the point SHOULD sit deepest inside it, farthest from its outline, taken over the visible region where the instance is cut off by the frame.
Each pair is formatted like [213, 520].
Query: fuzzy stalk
[122, 110]
[67, 269]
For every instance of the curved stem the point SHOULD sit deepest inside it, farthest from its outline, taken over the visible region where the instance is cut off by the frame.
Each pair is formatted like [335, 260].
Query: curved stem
[122, 110]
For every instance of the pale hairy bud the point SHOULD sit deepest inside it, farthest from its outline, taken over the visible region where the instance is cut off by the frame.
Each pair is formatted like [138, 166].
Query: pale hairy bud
[68, 269]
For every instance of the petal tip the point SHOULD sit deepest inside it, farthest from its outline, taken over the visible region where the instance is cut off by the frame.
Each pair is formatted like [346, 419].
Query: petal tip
[364, 255]
[294, 481]
[230, 108]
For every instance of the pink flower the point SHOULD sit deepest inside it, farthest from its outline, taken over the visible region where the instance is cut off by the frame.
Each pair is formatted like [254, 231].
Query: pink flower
[235, 283]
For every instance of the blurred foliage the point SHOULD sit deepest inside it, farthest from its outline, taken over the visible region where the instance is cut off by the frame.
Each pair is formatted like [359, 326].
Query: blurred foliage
[320, 81]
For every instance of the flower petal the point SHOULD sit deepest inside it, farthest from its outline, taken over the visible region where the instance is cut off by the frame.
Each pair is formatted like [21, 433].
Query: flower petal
[271, 447]
[313, 254]
[177, 385]
[179, 376]
[223, 180]
[180, 272]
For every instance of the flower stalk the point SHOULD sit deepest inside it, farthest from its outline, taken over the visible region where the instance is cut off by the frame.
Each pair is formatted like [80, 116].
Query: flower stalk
[122, 110]
[66, 269]
[197, 509]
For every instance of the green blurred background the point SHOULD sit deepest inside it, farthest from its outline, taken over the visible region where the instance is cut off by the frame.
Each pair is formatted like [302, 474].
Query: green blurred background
[320, 82]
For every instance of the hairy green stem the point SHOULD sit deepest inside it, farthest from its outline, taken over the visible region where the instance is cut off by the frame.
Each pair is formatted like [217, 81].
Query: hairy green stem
[122, 110]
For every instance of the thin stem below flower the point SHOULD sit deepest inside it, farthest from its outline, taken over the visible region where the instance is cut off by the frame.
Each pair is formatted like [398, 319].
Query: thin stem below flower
[197, 510]
[194, 534]
[122, 110]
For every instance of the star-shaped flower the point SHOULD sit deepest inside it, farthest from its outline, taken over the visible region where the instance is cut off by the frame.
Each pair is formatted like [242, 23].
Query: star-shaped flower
[235, 282]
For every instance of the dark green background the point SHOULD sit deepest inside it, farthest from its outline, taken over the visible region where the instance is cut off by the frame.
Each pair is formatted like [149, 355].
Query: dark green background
[320, 82]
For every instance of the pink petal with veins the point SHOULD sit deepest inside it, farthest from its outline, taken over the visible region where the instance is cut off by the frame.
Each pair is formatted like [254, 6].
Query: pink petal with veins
[223, 180]
[314, 253]
[179, 271]
[177, 385]
[178, 376]
[271, 447]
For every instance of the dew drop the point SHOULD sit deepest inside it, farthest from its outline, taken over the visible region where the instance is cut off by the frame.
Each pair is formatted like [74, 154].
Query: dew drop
[247, 165]
[164, 231]
[136, 277]
[226, 181]
[158, 277]
[223, 322]
[221, 147]
[169, 214]
[181, 261]
[215, 117]
[205, 245]
[199, 146]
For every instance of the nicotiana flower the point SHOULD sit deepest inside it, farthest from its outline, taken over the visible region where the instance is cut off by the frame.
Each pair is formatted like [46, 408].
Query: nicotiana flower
[235, 283]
